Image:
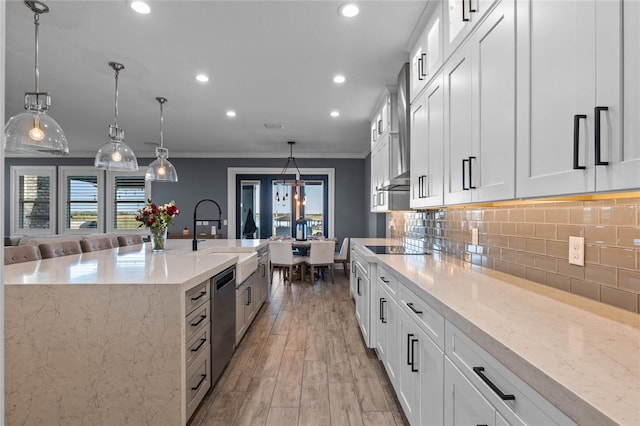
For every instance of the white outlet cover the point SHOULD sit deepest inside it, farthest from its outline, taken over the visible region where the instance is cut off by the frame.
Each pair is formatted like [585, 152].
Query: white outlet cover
[576, 251]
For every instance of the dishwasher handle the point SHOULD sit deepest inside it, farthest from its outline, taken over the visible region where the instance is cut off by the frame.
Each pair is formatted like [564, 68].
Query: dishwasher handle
[225, 278]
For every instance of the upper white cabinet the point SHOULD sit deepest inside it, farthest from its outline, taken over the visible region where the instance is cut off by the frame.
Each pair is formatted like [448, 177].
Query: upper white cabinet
[460, 17]
[577, 133]
[427, 54]
[479, 113]
[427, 146]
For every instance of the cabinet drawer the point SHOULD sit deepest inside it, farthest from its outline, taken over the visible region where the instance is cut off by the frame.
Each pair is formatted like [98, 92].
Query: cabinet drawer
[516, 401]
[197, 321]
[196, 297]
[197, 344]
[430, 321]
[198, 380]
[387, 280]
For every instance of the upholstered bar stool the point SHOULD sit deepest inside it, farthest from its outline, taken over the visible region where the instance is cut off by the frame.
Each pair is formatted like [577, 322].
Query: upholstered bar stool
[19, 254]
[95, 244]
[129, 240]
[58, 249]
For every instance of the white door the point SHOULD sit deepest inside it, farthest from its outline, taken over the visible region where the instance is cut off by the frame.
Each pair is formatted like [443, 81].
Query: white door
[618, 89]
[556, 96]
[494, 93]
[463, 403]
[458, 83]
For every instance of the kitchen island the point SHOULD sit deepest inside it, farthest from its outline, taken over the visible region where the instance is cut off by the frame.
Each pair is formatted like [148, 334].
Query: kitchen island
[581, 355]
[99, 338]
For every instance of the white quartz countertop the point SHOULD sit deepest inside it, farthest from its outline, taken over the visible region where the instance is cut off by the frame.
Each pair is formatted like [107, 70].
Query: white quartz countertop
[133, 265]
[581, 355]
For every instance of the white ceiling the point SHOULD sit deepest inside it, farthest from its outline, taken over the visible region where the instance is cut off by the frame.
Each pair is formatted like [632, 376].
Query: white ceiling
[270, 61]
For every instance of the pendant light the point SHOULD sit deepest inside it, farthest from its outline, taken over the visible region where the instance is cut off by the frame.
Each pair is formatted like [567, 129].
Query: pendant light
[161, 170]
[296, 183]
[34, 131]
[116, 155]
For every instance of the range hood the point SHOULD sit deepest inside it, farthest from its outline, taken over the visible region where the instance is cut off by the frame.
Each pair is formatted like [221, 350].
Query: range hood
[400, 153]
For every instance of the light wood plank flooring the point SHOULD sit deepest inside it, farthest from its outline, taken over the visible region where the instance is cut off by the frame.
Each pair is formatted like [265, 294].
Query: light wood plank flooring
[303, 361]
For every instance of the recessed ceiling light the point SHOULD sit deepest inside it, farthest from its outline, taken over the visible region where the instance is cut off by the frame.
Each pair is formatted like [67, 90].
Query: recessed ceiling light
[140, 7]
[202, 78]
[339, 78]
[334, 114]
[348, 10]
[231, 113]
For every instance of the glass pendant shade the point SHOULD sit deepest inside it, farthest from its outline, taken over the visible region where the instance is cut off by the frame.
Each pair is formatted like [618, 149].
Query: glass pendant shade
[161, 170]
[34, 132]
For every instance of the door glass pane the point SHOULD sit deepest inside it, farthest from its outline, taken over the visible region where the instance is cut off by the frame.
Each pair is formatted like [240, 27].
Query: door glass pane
[82, 202]
[314, 207]
[34, 193]
[281, 208]
[250, 209]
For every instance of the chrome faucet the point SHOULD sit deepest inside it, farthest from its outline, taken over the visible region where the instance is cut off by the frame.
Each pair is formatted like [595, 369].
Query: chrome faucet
[218, 220]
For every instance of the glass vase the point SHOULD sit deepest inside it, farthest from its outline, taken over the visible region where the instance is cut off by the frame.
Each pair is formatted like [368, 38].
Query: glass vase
[158, 239]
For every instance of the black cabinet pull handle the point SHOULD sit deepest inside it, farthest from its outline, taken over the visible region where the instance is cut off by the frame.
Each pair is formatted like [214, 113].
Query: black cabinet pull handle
[353, 267]
[415, 311]
[464, 16]
[384, 280]
[413, 359]
[382, 302]
[409, 360]
[470, 173]
[358, 287]
[202, 342]
[576, 140]
[202, 294]
[264, 269]
[380, 130]
[420, 69]
[248, 296]
[380, 309]
[202, 379]
[202, 318]
[419, 186]
[424, 187]
[598, 110]
[471, 9]
[464, 175]
[504, 397]
[422, 63]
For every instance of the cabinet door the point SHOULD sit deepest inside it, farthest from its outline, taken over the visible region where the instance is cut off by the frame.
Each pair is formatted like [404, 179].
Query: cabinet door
[427, 147]
[240, 307]
[458, 85]
[409, 394]
[463, 404]
[417, 73]
[618, 89]
[374, 177]
[556, 88]
[460, 17]
[362, 305]
[387, 332]
[426, 56]
[494, 97]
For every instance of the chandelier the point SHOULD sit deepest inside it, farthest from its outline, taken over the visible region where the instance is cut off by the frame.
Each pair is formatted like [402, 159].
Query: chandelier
[283, 181]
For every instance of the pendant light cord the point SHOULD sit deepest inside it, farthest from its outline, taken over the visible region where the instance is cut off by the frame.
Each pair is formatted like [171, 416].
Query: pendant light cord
[36, 21]
[162, 101]
[116, 105]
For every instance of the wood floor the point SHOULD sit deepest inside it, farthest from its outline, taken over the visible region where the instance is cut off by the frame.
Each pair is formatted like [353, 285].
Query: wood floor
[303, 361]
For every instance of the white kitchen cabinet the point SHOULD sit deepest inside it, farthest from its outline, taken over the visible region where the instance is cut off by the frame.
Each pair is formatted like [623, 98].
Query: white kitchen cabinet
[427, 147]
[246, 305]
[386, 335]
[426, 55]
[362, 299]
[463, 403]
[576, 59]
[480, 126]
[421, 371]
[460, 17]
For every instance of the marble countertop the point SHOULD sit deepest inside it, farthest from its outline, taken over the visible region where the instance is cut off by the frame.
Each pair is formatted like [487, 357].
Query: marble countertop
[581, 355]
[134, 265]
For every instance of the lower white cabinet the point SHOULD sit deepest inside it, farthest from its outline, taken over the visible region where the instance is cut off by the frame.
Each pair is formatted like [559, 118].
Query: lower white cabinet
[386, 336]
[246, 305]
[362, 298]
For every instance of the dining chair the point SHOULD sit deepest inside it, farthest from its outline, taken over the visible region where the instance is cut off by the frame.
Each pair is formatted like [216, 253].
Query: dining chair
[19, 254]
[281, 254]
[322, 254]
[58, 249]
[95, 244]
[129, 240]
[343, 255]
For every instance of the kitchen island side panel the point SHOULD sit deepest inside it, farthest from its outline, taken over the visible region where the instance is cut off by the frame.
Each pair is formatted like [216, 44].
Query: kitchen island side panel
[93, 354]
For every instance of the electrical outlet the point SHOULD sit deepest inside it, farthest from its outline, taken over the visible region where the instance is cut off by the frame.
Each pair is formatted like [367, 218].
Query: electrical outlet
[224, 222]
[474, 236]
[576, 251]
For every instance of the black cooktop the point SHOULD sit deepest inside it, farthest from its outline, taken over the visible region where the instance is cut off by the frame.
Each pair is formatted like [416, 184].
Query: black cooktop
[394, 250]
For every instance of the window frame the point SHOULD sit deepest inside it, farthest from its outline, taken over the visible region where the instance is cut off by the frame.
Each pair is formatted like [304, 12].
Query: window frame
[111, 201]
[16, 172]
[63, 173]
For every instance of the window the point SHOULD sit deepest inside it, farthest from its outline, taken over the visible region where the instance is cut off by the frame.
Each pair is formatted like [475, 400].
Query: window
[81, 200]
[128, 192]
[33, 195]
[315, 206]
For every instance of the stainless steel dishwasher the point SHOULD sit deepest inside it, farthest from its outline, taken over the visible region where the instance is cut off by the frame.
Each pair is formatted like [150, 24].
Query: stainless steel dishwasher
[223, 323]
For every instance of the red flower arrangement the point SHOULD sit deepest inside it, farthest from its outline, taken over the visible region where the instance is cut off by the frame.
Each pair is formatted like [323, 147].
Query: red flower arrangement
[154, 216]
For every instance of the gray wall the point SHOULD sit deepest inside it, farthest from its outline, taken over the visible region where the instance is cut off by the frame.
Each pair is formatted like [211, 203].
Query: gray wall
[207, 178]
